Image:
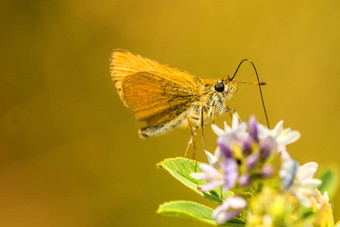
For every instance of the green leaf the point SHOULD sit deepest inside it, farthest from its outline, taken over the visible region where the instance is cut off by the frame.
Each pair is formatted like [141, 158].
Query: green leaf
[329, 178]
[180, 168]
[192, 210]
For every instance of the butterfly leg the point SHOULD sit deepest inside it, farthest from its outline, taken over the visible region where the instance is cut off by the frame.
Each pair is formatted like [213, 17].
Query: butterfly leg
[191, 141]
[213, 114]
[202, 125]
[233, 111]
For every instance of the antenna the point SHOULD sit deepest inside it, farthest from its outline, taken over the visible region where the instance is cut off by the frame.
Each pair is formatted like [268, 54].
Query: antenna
[258, 83]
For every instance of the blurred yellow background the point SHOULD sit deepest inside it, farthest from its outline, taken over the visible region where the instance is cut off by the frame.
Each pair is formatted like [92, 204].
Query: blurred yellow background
[69, 150]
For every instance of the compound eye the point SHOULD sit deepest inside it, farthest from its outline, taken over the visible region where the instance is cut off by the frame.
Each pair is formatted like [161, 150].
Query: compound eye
[219, 86]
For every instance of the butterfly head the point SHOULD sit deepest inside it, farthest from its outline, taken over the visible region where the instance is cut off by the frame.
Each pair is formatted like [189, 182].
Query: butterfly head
[225, 89]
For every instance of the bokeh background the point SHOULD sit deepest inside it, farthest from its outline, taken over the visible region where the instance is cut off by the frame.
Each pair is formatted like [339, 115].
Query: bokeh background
[69, 150]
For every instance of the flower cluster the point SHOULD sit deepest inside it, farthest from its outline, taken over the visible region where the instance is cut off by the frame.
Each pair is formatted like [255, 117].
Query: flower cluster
[248, 156]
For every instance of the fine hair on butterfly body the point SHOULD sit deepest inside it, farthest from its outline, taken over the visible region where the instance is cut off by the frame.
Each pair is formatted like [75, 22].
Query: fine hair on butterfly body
[166, 97]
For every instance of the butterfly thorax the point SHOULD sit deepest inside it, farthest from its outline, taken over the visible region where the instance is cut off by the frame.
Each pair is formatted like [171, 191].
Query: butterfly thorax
[211, 102]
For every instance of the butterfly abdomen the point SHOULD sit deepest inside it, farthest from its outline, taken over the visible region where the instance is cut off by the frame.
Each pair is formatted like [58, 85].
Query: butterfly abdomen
[162, 128]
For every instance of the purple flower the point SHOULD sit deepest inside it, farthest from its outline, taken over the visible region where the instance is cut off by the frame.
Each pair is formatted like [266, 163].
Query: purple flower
[231, 173]
[244, 155]
[231, 207]
[253, 129]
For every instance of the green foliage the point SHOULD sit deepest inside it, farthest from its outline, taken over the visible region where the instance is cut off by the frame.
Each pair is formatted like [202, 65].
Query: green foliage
[180, 168]
[330, 181]
[192, 210]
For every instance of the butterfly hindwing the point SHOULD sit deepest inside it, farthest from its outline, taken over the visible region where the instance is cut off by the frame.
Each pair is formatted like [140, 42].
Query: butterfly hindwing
[155, 99]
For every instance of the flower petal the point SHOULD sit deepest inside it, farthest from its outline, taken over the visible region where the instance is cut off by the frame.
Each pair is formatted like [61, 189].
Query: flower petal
[284, 155]
[278, 129]
[211, 158]
[288, 172]
[235, 122]
[289, 138]
[225, 142]
[198, 176]
[210, 171]
[241, 128]
[310, 183]
[307, 170]
[210, 186]
[226, 216]
[263, 131]
[213, 177]
[304, 199]
[236, 202]
[217, 130]
[220, 158]
[230, 173]
[226, 127]
[230, 208]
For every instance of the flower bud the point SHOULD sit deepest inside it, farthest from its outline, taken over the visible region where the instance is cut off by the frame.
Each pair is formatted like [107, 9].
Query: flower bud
[266, 171]
[265, 149]
[246, 146]
[244, 180]
[253, 129]
[252, 160]
[225, 147]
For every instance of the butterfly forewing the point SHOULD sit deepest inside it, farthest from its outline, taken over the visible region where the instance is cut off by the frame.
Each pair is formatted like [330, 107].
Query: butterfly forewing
[124, 63]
